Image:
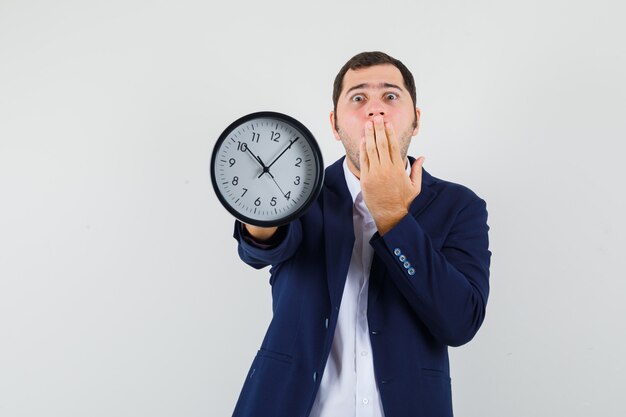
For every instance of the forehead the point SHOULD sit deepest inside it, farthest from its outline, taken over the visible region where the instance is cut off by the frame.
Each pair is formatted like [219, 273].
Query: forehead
[373, 76]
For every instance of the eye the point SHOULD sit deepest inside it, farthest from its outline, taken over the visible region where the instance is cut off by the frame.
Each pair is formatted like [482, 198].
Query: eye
[358, 97]
[391, 96]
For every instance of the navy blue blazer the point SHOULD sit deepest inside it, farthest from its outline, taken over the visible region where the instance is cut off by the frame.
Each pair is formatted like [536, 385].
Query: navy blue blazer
[415, 310]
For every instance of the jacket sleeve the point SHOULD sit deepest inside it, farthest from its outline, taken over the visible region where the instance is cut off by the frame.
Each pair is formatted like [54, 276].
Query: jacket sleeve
[258, 256]
[447, 287]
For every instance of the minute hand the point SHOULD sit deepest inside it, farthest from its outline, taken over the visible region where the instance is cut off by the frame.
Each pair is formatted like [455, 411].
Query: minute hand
[291, 142]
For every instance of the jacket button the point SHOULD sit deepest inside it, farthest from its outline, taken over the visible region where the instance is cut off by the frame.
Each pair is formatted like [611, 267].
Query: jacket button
[411, 271]
[314, 376]
[326, 323]
[397, 251]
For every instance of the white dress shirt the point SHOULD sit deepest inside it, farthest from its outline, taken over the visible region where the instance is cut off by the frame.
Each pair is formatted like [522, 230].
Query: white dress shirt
[348, 387]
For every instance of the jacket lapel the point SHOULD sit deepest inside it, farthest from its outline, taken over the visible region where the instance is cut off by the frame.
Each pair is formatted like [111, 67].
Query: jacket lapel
[338, 229]
[426, 195]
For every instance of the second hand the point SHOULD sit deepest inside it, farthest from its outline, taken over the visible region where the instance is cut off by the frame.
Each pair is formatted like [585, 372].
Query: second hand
[274, 179]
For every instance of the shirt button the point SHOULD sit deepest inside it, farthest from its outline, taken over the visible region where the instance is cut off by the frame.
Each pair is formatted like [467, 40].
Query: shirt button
[364, 353]
[397, 251]
[365, 401]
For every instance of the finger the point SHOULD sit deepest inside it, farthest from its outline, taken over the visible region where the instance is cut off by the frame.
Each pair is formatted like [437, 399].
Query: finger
[394, 149]
[382, 143]
[416, 173]
[364, 163]
[370, 144]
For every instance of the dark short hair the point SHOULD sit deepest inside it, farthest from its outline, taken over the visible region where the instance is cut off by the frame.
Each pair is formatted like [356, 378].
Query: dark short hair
[369, 59]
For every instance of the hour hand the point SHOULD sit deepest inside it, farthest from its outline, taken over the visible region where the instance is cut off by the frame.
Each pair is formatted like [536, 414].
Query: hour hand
[256, 158]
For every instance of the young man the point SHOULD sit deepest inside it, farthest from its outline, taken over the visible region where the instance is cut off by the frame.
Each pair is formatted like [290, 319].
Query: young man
[378, 278]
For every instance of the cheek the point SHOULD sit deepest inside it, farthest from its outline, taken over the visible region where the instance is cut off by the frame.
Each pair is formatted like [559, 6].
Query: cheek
[352, 118]
[351, 124]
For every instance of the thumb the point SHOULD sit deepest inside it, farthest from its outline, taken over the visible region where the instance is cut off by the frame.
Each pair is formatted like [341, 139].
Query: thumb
[416, 172]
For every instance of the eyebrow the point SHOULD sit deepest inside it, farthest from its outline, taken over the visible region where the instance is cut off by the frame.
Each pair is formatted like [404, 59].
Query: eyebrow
[367, 85]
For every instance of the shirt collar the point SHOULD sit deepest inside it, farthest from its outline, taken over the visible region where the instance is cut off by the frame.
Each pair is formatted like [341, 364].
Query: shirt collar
[354, 185]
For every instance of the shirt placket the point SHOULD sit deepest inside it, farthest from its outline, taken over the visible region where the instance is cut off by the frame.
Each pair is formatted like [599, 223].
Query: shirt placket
[365, 395]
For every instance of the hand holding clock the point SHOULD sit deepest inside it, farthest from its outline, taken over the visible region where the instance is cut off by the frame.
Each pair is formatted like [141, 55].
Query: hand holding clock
[264, 233]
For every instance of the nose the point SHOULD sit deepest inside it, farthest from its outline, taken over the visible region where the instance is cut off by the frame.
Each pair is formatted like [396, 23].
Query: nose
[375, 108]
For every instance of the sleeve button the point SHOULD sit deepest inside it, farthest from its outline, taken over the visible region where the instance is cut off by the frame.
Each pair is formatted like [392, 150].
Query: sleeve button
[397, 251]
[411, 271]
[402, 258]
[407, 264]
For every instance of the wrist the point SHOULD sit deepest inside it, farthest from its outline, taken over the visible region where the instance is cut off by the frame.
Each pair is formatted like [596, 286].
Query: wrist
[387, 221]
[260, 234]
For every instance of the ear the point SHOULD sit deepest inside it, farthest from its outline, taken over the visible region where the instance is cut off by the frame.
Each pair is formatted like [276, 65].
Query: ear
[332, 125]
[417, 120]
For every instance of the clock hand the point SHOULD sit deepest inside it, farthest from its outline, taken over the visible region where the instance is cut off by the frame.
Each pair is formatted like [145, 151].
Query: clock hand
[274, 179]
[291, 142]
[259, 161]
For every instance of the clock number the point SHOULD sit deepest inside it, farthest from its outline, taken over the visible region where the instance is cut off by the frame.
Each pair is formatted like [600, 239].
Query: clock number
[257, 202]
[235, 181]
[273, 202]
[297, 181]
[255, 137]
[275, 136]
[232, 161]
[245, 190]
[288, 195]
[241, 146]
[298, 162]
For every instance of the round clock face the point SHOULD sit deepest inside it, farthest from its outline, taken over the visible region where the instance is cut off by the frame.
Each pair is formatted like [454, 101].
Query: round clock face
[267, 169]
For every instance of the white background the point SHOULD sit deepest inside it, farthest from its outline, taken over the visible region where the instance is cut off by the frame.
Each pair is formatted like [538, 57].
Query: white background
[121, 293]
